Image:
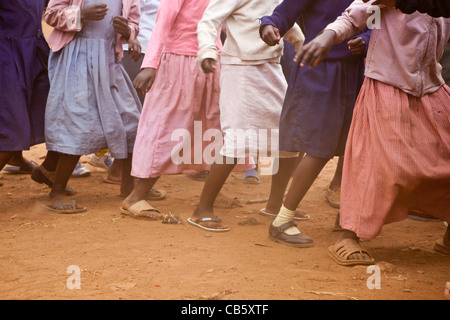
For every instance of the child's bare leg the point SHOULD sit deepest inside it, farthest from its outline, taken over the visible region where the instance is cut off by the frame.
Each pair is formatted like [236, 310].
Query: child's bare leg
[279, 184]
[139, 192]
[116, 170]
[5, 156]
[51, 161]
[127, 184]
[17, 159]
[214, 183]
[337, 178]
[64, 169]
[306, 173]
[281, 230]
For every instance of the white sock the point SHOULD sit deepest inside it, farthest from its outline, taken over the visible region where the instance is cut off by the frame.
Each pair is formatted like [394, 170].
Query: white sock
[286, 215]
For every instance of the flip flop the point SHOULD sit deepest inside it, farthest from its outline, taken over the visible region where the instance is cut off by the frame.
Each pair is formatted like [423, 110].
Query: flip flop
[343, 249]
[139, 209]
[197, 222]
[112, 181]
[251, 177]
[421, 216]
[38, 176]
[26, 169]
[54, 208]
[202, 176]
[439, 246]
[299, 215]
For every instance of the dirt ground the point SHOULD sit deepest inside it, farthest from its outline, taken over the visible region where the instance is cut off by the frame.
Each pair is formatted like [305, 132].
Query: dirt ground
[124, 258]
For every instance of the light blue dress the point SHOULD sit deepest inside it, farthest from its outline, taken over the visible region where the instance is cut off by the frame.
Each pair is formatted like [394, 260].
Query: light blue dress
[92, 104]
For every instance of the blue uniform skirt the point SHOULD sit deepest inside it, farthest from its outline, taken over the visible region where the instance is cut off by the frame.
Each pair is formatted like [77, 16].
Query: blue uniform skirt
[24, 88]
[318, 107]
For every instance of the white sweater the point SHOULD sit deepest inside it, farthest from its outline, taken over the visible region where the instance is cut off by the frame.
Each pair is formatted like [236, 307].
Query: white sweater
[241, 18]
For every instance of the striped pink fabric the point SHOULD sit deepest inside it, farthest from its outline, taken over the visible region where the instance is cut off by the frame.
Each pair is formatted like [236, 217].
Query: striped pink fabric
[397, 158]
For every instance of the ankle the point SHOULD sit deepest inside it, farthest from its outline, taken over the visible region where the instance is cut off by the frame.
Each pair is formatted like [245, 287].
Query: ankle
[349, 235]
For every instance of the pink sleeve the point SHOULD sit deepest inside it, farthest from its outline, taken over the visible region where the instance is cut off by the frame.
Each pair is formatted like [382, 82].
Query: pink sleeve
[167, 13]
[133, 16]
[355, 18]
[63, 16]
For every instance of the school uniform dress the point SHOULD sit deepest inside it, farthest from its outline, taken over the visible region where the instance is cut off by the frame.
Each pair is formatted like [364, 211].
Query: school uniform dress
[252, 81]
[181, 96]
[92, 104]
[24, 81]
[319, 101]
[398, 150]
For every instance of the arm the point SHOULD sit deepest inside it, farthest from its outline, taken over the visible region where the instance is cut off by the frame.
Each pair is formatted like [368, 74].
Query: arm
[208, 27]
[295, 36]
[285, 15]
[347, 25]
[167, 13]
[65, 17]
[128, 27]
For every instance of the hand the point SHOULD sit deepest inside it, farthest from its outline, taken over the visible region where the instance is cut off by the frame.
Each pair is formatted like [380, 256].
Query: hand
[387, 3]
[356, 46]
[121, 27]
[270, 35]
[94, 12]
[209, 65]
[144, 80]
[134, 48]
[316, 50]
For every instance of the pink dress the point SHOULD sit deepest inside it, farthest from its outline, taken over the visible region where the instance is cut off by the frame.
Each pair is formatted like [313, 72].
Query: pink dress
[183, 102]
[397, 156]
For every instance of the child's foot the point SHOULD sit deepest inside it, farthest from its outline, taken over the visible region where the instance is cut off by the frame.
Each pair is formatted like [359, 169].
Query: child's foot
[63, 204]
[206, 220]
[140, 209]
[198, 176]
[348, 252]
[41, 175]
[333, 196]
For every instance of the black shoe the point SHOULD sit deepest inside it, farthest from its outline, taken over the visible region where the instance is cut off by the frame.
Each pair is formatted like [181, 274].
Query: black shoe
[300, 240]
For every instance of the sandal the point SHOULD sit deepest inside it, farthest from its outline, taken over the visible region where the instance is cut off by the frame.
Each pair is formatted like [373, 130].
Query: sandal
[197, 223]
[73, 204]
[25, 169]
[142, 210]
[299, 240]
[251, 177]
[343, 249]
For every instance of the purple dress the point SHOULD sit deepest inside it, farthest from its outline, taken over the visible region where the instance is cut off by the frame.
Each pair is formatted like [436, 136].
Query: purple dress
[24, 81]
[318, 107]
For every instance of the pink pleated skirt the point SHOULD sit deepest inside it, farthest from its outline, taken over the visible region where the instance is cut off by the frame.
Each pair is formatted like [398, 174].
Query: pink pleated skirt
[181, 106]
[397, 158]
